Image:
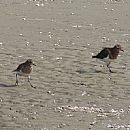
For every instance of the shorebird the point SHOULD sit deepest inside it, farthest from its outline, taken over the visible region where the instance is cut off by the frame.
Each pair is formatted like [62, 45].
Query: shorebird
[24, 69]
[109, 54]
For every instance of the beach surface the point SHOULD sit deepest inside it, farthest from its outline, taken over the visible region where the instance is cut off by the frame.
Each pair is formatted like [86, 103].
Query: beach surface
[73, 91]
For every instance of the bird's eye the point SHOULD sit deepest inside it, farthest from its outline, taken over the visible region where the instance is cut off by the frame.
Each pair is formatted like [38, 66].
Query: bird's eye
[117, 47]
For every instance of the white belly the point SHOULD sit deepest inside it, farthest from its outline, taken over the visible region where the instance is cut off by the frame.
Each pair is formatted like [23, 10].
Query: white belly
[106, 60]
[22, 74]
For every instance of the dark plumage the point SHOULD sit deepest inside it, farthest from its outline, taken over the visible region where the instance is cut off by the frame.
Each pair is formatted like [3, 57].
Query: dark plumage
[103, 54]
[109, 54]
[24, 69]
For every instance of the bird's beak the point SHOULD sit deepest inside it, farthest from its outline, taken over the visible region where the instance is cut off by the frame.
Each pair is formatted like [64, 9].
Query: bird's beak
[122, 50]
[34, 64]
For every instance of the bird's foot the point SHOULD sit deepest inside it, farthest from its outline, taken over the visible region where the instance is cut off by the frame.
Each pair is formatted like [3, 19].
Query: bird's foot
[16, 83]
[111, 71]
[33, 86]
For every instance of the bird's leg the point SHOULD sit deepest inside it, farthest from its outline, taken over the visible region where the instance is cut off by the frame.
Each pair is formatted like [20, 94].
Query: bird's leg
[16, 83]
[108, 66]
[30, 82]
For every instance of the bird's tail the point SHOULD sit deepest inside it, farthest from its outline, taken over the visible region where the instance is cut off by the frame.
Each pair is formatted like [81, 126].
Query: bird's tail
[14, 70]
[94, 56]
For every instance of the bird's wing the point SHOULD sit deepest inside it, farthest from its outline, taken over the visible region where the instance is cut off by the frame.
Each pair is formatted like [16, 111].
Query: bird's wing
[19, 68]
[103, 53]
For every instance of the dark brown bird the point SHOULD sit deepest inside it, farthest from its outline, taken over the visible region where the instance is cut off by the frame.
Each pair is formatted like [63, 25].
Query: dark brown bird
[109, 54]
[25, 70]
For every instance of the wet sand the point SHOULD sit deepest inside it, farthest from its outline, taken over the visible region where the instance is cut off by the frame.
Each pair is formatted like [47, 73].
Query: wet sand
[73, 92]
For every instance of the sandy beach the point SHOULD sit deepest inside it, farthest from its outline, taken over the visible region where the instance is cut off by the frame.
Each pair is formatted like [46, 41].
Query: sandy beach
[73, 91]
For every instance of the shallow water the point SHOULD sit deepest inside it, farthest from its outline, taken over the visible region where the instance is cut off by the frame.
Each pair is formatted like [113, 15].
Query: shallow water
[74, 91]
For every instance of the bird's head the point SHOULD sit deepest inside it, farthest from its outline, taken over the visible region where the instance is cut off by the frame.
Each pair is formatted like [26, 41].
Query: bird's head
[30, 62]
[118, 47]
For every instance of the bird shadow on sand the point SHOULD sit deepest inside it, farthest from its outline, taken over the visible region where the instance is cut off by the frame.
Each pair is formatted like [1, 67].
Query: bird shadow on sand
[81, 71]
[7, 85]
[91, 71]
